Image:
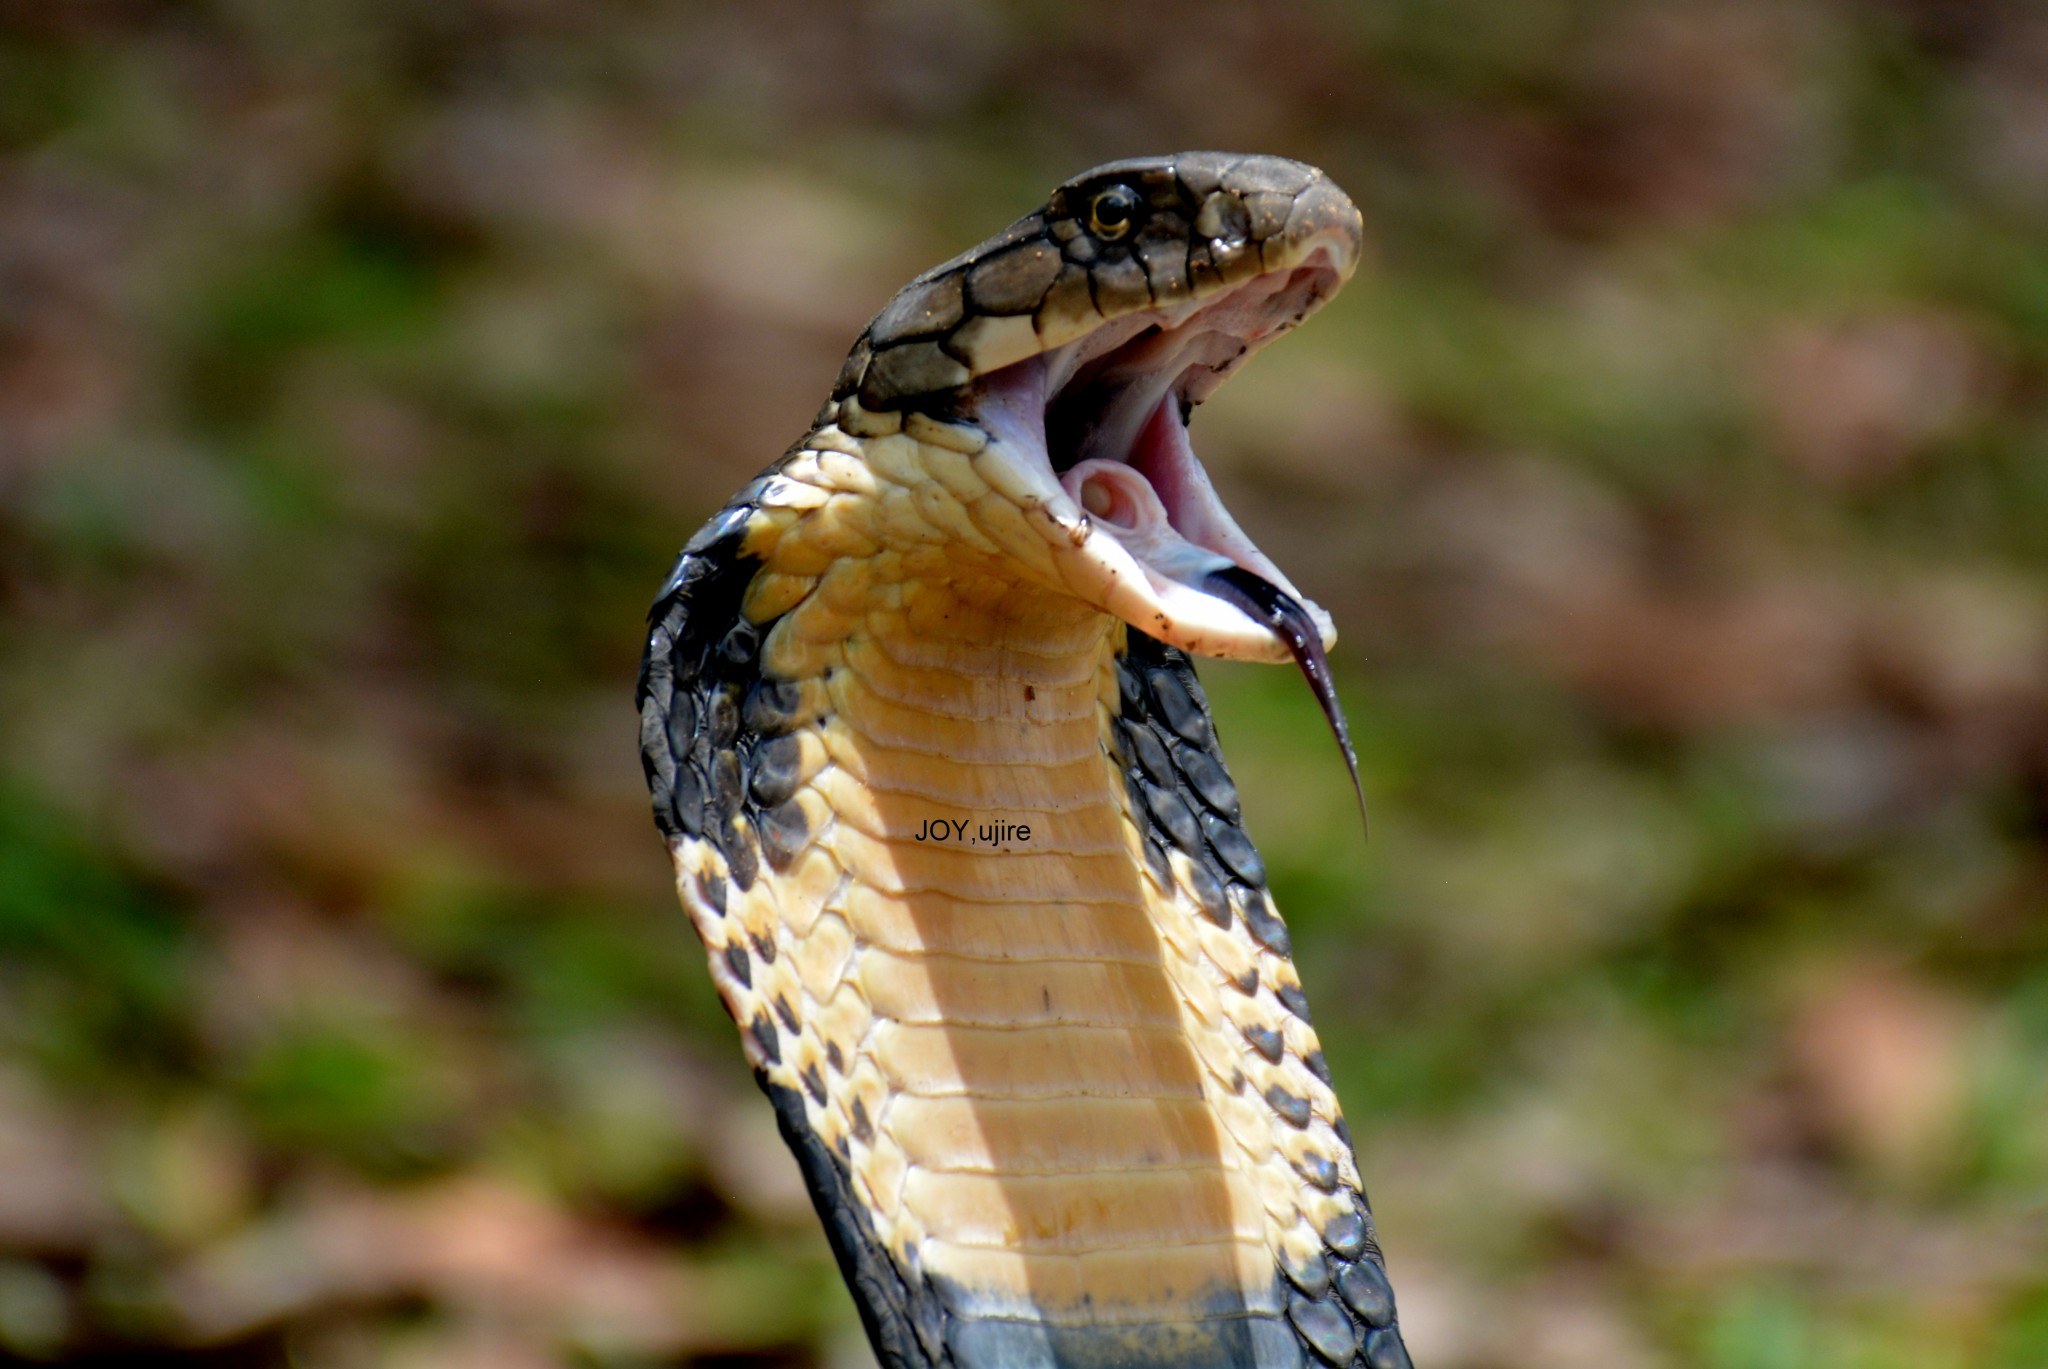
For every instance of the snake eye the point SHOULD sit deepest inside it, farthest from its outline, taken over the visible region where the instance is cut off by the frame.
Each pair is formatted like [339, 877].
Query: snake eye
[1112, 212]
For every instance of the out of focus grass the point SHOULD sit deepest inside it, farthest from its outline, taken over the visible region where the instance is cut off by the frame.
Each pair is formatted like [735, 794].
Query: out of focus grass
[1678, 475]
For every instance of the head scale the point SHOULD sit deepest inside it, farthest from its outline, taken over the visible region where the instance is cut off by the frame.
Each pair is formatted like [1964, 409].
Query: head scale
[1129, 237]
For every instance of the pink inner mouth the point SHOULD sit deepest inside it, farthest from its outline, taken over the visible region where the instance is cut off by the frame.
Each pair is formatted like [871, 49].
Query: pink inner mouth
[1115, 421]
[1158, 503]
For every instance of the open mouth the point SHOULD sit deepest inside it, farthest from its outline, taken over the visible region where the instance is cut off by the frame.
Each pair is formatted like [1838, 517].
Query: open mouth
[1116, 416]
[1108, 412]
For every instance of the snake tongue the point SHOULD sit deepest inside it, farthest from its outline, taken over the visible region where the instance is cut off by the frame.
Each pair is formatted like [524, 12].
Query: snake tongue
[1291, 623]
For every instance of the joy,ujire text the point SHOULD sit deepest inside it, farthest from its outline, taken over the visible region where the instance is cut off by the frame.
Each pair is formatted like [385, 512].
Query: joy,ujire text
[960, 832]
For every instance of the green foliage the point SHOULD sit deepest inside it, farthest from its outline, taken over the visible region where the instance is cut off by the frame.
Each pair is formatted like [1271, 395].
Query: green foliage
[94, 965]
[355, 1089]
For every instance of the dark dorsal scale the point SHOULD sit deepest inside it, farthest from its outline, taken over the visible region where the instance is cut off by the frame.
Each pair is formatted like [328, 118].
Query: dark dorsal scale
[717, 735]
[1163, 732]
[1115, 241]
[1340, 1304]
[905, 1320]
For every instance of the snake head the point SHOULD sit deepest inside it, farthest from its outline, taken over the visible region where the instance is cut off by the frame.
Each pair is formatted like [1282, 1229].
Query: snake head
[1080, 339]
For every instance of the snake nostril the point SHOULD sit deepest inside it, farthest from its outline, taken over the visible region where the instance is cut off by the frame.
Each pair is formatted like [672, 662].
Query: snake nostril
[1223, 221]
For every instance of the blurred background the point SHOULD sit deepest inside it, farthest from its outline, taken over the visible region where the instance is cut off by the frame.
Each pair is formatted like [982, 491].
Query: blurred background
[1678, 474]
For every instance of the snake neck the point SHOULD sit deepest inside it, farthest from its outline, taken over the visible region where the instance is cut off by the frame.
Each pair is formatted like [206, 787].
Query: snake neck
[976, 889]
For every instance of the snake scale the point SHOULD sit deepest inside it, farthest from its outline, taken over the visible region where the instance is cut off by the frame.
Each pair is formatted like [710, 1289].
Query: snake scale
[946, 805]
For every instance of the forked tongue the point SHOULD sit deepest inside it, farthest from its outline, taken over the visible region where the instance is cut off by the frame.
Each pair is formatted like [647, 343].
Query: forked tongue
[1269, 604]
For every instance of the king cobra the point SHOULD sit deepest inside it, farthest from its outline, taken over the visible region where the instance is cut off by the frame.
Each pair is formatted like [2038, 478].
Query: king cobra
[946, 805]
